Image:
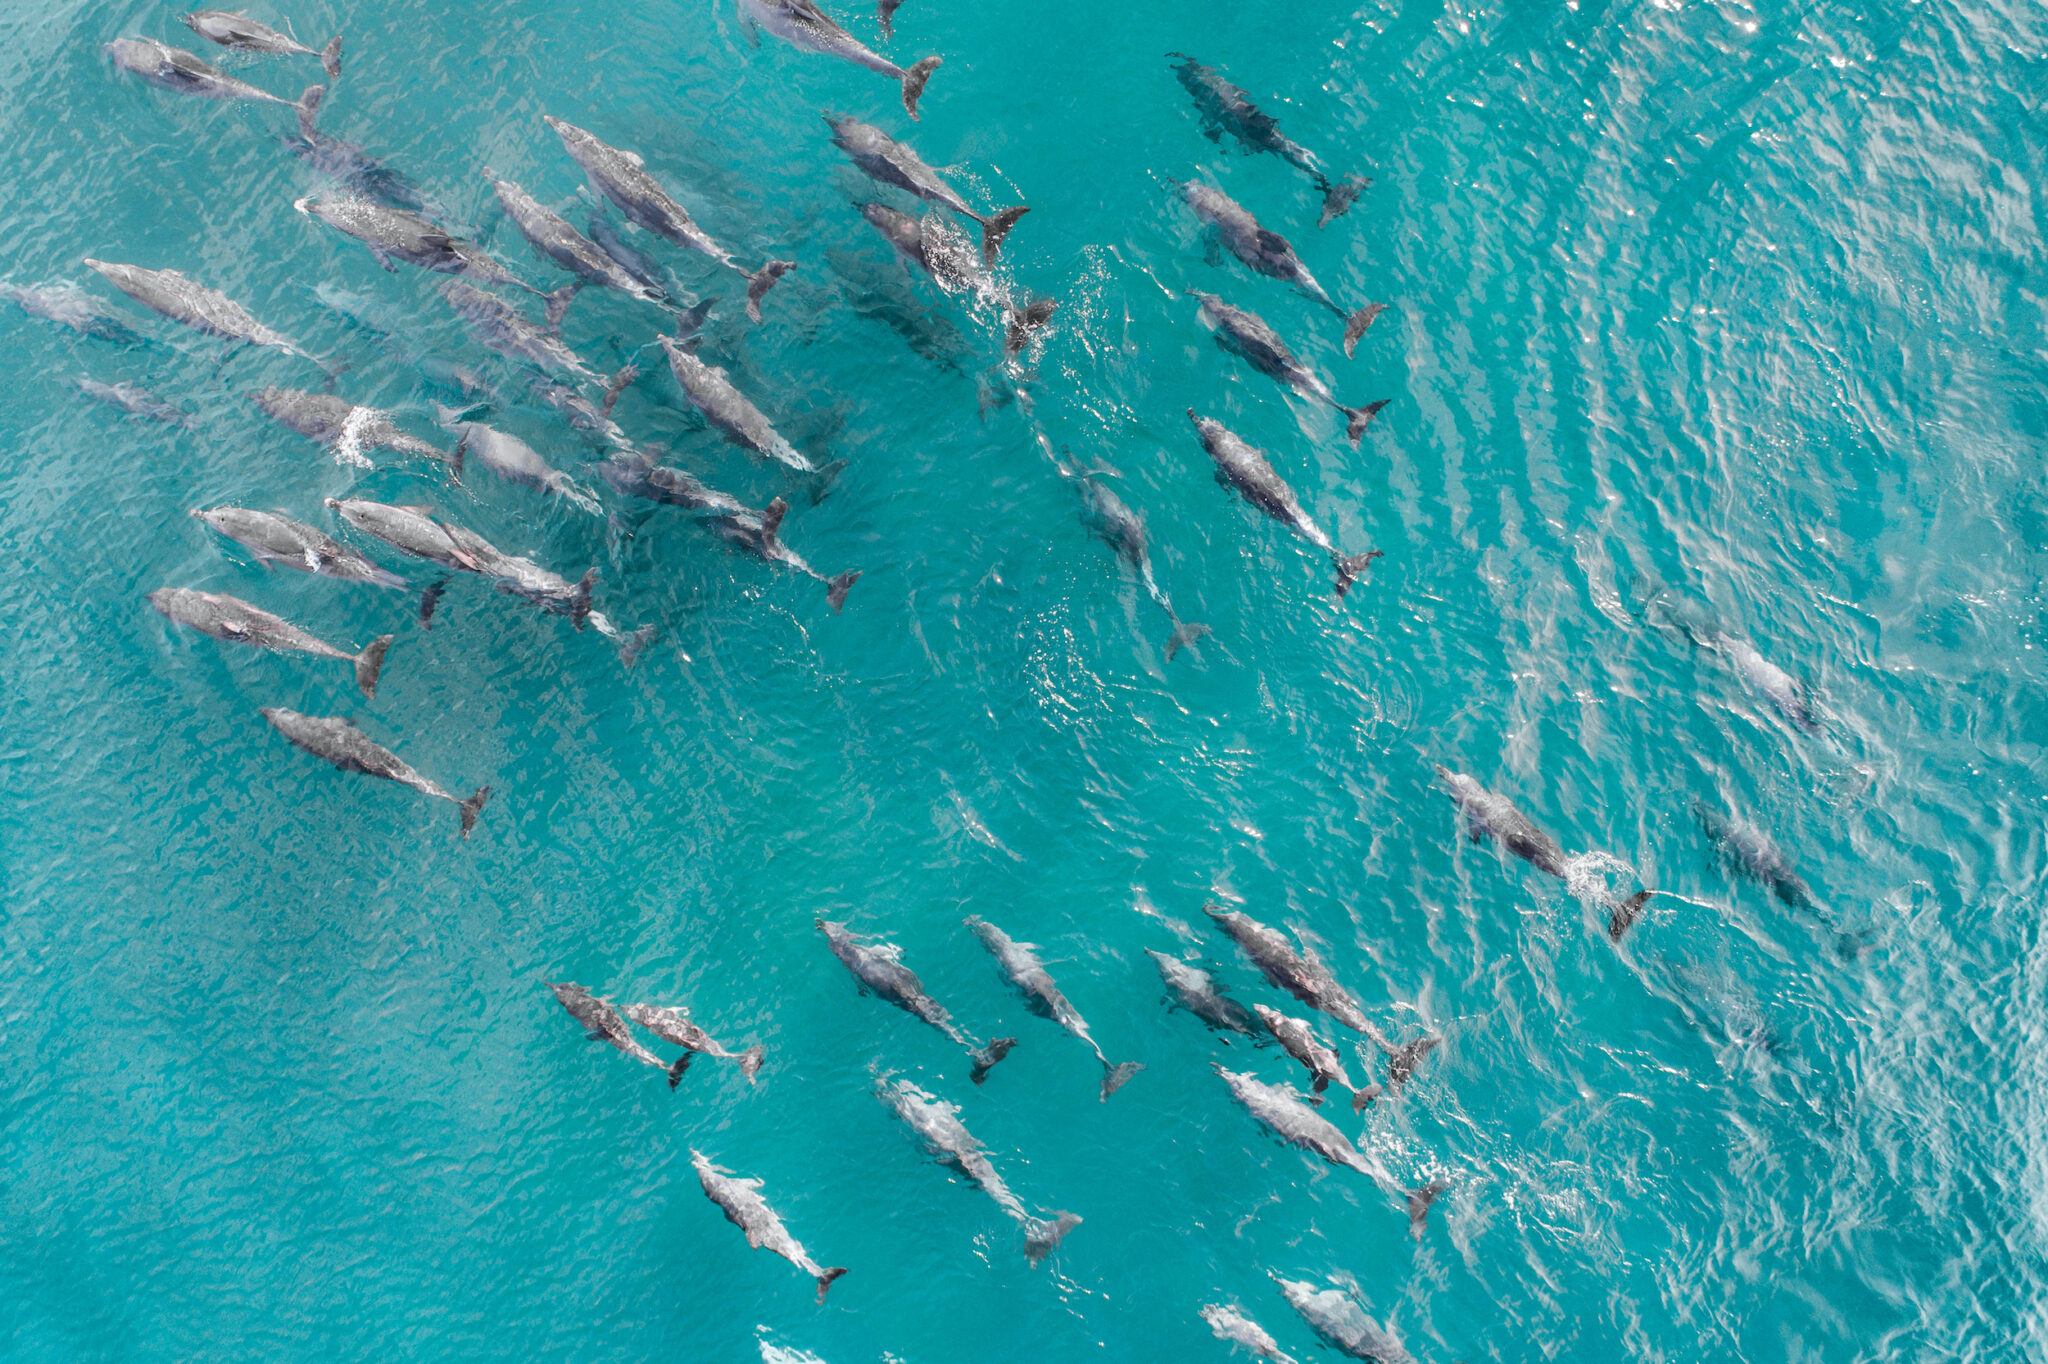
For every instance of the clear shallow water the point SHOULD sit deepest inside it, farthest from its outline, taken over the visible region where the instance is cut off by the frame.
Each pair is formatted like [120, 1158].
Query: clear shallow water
[1738, 303]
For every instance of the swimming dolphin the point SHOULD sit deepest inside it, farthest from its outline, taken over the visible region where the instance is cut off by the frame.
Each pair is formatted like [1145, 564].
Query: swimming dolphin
[508, 457]
[236, 621]
[602, 1023]
[673, 1026]
[208, 311]
[1025, 971]
[1750, 852]
[173, 68]
[934, 248]
[1197, 992]
[393, 234]
[607, 237]
[710, 390]
[1123, 530]
[276, 539]
[1419, 1201]
[1280, 1108]
[889, 162]
[136, 402]
[1227, 109]
[1232, 1325]
[68, 306]
[1299, 1040]
[759, 533]
[802, 24]
[351, 168]
[1300, 974]
[1761, 675]
[622, 178]
[1490, 815]
[345, 428]
[1246, 470]
[880, 970]
[243, 34]
[351, 750]
[499, 326]
[1269, 253]
[1247, 334]
[947, 1138]
[745, 1208]
[1338, 1320]
[551, 235]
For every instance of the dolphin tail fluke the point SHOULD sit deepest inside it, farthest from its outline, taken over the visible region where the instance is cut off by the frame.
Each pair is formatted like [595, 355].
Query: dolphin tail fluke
[675, 1072]
[430, 599]
[558, 304]
[471, 806]
[1184, 634]
[579, 600]
[1361, 1099]
[885, 15]
[1355, 325]
[307, 105]
[985, 1058]
[1116, 1077]
[1349, 566]
[455, 457]
[1419, 1201]
[913, 84]
[827, 1279]
[330, 57]
[1621, 915]
[1356, 419]
[837, 588]
[758, 284]
[1041, 1238]
[750, 1061]
[631, 645]
[995, 227]
[626, 375]
[370, 662]
[822, 481]
[771, 521]
[1020, 325]
[1339, 197]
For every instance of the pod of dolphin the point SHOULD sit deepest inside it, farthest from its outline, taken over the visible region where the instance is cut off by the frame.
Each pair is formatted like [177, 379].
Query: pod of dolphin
[399, 225]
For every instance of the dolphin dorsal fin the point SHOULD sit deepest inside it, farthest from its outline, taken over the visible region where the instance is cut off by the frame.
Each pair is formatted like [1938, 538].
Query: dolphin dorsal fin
[1272, 241]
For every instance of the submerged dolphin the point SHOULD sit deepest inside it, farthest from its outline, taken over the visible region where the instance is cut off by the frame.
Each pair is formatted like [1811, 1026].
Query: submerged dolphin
[673, 1025]
[1750, 852]
[889, 162]
[1123, 530]
[173, 68]
[551, 235]
[499, 326]
[1299, 1040]
[1227, 109]
[948, 1139]
[1766, 678]
[234, 29]
[347, 429]
[68, 306]
[1246, 470]
[1338, 1320]
[394, 234]
[1025, 971]
[350, 167]
[236, 621]
[602, 1022]
[1232, 1325]
[1197, 992]
[942, 254]
[1269, 253]
[1280, 1108]
[710, 390]
[741, 1201]
[508, 457]
[802, 24]
[351, 750]
[1247, 334]
[136, 402]
[207, 311]
[276, 539]
[880, 970]
[1300, 974]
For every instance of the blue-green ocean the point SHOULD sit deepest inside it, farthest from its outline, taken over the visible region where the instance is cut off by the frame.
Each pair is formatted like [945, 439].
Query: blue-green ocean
[1710, 327]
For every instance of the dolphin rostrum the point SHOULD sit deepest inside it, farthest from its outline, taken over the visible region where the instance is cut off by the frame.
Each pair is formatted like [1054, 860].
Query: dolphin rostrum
[1025, 971]
[173, 68]
[1283, 1110]
[1197, 992]
[551, 235]
[345, 428]
[1123, 530]
[1245, 469]
[880, 970]
[508, 457]
[1227, 109]
[1269, 253]
[1751, 852]
[1338, 1320]
[1299, 1040]
[276, 539]
[602, 1022]
[238, 31]
[710, 390]
[949, 1141]
[136, 402]
[673, 1025]
[1300, 974]
[745, 1208]
[802, 24]
[236, 621]
[68, 306]
[351, 750]
[208, 311]
[1232, 1325]
[889, 162]
[1247, 334]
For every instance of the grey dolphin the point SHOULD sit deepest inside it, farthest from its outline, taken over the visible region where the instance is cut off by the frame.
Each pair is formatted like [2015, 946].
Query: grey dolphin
[880, 970]
[1246, 469]
[276, 539]
[395, 234]
[1123, 530]
[930, 246]
[352, 168]
[802, 24]
[621, 177]
[236, 621]
[1025, 971]
[673, 1025]
[1269, 253]
[551, 235]
[889, 162]
[347, 429]
[1299, 1040]
[602, 1022]
[499, 326]
[741, 1201]
[1491, 815]
[173, 68]
[760, 534]
[1298, 973]
[1247, 334]
[1751, 852]
[1761, 675]
[1225, 108]
[68, 306]
[1197, 992]
[1283, 1110]
[1338, 1320]
[710, 390]
[508, 457]
[947, 1138]
[135, 401]
[351, 750]
[238, 31]
[1232, 1325]
[207, 311]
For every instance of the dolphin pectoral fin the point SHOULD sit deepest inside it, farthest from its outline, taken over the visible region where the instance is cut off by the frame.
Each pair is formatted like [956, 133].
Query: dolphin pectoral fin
[1116, 1077]
[595, 1035]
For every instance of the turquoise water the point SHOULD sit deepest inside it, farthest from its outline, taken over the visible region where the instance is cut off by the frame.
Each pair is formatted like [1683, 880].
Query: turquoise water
[1737, 308]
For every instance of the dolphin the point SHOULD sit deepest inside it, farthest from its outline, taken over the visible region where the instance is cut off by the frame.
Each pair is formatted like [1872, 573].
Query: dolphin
[499, 326]
[67, 305]
[930, 246]
[1490, 815]
[1025, 971]
[673, 1025]
[1751, 853]
[345, 428]
[551, 235]
[1299, 1040]
[1247, 334]
[745, 1208]
[622, 178]
[889, 162]
[394, 234]
[1246, 469]
[173, 68]
[1280, 1108]
[508, 457]
[351, 750]
[207, 311]
[579, 412]
[759, 534]
[276, 539]
[949, 1141]
[606, 236]
[802, 24]
[1761, 675]
[238, 31]
[602, 1023]
[1338, 1320]
[1232, 1325]
[1419, 1201]
[1301, 975]
[1197, 992]
[352, 168]
[879, 968]
[710, 390]
[1123, 530]
[1227, 109]
[1269, 253]
[236, 621]
[136, 402]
